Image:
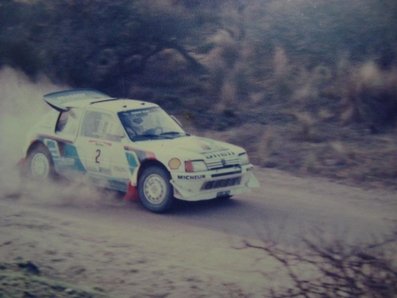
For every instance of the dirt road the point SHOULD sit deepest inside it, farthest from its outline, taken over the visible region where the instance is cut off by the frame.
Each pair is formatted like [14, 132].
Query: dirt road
[76, 246]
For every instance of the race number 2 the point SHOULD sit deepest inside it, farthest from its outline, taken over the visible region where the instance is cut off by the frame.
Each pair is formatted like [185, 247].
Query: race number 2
[97, 156]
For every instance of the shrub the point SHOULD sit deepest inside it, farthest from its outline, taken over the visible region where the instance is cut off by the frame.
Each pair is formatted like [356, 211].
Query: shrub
[335, 269]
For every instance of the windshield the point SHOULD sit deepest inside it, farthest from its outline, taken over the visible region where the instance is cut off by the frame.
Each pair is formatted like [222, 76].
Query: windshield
[150, 123]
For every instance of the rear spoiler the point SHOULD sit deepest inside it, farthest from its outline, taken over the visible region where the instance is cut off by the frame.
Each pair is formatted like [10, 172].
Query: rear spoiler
[62, 100]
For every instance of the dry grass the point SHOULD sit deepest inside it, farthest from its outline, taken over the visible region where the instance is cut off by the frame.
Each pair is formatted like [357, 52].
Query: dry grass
[367, 161]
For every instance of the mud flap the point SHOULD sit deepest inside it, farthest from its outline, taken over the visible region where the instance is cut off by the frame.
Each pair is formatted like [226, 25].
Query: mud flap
[22, 167]
[132, 193]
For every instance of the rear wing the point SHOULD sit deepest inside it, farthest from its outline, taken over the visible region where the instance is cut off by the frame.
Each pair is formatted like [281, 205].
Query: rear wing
[63, 100]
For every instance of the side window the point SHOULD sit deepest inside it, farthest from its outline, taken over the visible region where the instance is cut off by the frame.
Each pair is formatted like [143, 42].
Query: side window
[96, 125]
[68, 122]
[114, 132]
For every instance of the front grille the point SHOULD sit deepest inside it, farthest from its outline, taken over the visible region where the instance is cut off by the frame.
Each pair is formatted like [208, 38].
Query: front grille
[221, 183]
[221, 164]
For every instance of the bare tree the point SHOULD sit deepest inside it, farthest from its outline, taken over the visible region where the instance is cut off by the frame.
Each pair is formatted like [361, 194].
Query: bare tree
[336, 269]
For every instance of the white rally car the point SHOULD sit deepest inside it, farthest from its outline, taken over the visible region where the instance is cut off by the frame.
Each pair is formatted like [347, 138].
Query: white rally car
[133, 147]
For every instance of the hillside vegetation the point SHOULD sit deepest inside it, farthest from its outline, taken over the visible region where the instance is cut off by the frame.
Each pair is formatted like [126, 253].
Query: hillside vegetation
[308, 86]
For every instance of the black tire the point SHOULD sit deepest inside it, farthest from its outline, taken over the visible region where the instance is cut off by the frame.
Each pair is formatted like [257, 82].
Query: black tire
[224, 198]
[40, 165]
[155, 190]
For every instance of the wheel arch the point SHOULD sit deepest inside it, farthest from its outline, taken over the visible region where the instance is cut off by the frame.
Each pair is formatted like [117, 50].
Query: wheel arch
[35, 144]
[151, 162]
[160, 202]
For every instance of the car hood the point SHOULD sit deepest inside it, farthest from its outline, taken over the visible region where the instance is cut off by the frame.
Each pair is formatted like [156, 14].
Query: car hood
[192, 147]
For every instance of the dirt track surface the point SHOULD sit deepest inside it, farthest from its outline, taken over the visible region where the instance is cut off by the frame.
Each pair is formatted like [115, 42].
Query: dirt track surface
[110, 248]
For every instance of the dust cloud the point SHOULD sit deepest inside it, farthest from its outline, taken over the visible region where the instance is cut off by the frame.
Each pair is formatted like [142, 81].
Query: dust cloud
[21, 106]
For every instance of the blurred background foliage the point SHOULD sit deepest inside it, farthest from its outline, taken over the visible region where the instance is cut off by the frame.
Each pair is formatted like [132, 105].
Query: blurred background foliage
[302, 84]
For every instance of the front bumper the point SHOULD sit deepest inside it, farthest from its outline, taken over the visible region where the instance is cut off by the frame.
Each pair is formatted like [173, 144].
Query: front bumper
[214, 183]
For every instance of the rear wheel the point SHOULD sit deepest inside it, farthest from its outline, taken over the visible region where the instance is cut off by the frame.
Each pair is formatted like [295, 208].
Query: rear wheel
[155, 190]
[40, 164]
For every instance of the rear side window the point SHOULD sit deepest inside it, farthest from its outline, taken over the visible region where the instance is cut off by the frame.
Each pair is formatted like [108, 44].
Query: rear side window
[68, 123]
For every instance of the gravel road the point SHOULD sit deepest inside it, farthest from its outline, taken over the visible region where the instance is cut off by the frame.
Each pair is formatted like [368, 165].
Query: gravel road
[81, 243]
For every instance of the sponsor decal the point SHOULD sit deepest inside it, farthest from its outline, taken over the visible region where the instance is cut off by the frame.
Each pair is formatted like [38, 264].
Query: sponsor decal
[142, 155]
[222, 155]
[63, 153]
[191, 177]
[52, 146]
[132, 161]
[100, 143]
[70, 152]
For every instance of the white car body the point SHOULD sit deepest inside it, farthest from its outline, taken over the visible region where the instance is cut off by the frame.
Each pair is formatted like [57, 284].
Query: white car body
[96, 142]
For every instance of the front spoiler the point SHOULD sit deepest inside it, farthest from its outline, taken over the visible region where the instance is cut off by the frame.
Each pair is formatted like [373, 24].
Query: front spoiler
[192, 191]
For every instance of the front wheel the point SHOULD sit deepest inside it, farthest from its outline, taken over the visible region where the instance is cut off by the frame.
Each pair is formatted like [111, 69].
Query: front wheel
[224, 198]
[155, 190]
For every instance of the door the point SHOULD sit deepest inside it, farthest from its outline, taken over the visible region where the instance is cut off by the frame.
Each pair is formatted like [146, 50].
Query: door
[101, 150]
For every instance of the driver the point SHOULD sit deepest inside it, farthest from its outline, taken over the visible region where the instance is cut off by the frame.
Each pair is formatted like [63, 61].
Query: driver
[136, 126]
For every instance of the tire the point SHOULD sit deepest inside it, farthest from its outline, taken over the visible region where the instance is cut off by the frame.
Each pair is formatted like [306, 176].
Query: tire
[40, 165]
[155, 190]
[224, 198]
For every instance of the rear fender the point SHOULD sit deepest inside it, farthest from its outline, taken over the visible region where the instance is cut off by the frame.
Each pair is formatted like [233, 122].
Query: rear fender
[34, 145]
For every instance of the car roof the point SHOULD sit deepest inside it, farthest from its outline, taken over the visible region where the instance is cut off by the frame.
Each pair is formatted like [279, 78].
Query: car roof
[119, 104]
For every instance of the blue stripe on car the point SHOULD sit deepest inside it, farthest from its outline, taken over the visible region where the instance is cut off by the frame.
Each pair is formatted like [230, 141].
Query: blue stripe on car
[69, 160]
[132, 161]
[70, 151]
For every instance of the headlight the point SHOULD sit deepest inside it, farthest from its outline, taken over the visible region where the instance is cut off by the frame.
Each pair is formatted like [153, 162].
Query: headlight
[243, 157]
[195, 166]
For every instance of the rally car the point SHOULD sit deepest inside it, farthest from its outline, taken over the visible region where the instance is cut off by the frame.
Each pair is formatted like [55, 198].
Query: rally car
[133, 147]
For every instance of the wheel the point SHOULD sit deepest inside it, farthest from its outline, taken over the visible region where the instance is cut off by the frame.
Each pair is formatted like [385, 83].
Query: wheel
[155, 190]
[226, 197]
[40, 164]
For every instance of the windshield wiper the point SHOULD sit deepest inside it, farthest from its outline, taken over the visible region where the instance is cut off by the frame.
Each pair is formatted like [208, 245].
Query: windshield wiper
[164, 135]
[145, 137]
[173, 133]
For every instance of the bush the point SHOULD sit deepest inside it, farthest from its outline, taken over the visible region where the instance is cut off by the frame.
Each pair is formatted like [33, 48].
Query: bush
[335, 269]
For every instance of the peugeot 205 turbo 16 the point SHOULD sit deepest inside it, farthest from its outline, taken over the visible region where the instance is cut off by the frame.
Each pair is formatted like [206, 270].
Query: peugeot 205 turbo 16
[133, 147]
